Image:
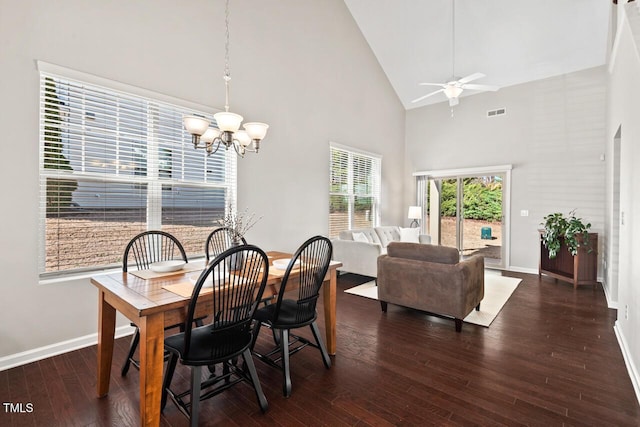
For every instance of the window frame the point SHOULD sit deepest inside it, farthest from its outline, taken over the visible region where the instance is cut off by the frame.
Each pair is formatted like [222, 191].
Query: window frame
[375, 185]
[154, 178]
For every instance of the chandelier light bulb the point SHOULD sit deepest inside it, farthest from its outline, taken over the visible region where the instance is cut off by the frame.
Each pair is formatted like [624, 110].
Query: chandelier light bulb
[243, 138]
[195, 125]
[228, 122]
[210, 135]
[256, 130]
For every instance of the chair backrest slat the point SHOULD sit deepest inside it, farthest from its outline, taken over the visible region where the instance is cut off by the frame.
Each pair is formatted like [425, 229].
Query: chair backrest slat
[238, 277]
[313, 258]
[152, 246]
[218, 241]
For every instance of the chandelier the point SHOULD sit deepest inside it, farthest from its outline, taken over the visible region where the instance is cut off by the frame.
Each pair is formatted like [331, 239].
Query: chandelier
[228, 132]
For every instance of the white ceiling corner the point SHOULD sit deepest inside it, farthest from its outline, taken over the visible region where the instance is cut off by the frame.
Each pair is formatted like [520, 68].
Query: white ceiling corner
[511, 41]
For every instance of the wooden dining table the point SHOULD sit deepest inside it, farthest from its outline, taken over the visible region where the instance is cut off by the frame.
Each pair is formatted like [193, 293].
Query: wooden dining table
[143, 299]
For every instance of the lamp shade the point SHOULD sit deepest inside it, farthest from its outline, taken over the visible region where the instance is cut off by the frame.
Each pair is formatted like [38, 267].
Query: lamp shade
[229, 122]
[256, 130]
[195, 125]
[242, 137]
[210, 135]
[452, 91]
[415, 212]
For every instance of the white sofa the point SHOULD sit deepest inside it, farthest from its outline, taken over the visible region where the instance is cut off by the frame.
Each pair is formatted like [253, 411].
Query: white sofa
[361, 257]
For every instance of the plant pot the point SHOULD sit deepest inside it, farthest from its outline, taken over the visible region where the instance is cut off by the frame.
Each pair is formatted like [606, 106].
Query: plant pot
[579, 269]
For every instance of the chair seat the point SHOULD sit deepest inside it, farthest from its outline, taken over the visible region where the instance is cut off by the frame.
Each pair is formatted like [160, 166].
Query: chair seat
[288, 316]
[233, 342]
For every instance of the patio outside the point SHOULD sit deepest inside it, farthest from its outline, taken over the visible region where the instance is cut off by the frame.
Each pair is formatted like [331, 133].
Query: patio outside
[474, 244]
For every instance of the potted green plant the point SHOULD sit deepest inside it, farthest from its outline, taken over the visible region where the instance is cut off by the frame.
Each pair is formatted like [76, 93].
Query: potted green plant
[570, 229]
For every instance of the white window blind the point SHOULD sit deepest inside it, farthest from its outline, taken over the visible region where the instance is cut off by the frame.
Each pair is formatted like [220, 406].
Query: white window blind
[354, 189]
[114, 164]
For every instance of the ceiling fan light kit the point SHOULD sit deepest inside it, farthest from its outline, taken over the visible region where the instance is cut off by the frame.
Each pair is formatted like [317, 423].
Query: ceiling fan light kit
[452, 91]
[454, 88]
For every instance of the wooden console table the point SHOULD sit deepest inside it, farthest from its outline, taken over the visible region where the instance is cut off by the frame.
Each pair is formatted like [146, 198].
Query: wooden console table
[581, 269]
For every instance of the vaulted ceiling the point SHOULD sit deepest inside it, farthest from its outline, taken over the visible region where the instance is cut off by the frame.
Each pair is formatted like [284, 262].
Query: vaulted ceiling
[510, 41]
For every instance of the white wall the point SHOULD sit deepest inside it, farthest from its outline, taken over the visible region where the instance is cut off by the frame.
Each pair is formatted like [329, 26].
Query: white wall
[300, 65]
[553, 134]
[623, 107]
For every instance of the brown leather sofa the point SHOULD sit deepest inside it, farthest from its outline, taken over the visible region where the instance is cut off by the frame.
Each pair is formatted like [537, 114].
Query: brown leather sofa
[430, 278]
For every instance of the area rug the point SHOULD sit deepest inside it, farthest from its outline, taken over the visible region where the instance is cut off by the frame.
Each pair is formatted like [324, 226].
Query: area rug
[497, 290]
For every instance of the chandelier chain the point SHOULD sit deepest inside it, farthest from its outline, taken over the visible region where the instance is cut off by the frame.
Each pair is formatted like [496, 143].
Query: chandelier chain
[227, 72]
[226, 44]
[226, 131]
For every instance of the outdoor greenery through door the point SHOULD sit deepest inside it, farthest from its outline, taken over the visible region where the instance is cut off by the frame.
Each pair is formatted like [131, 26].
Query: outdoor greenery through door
[466, 210]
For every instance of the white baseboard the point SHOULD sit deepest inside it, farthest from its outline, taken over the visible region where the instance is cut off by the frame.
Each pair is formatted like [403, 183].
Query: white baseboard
[610, 303]
[628, 361]
[522, 270]
[40, 353]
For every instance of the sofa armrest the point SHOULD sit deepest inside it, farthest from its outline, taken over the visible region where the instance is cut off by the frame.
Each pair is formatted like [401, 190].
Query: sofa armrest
[425, 239]
[472, 273]
[357, 257]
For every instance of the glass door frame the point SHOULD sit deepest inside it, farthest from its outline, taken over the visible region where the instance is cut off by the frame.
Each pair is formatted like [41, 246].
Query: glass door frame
[424, 178]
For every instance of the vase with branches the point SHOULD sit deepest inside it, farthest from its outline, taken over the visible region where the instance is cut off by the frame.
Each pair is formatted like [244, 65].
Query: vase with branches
[237, 223]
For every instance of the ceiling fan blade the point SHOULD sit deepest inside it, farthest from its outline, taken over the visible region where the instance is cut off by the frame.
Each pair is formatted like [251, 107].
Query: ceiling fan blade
[471, 77]
[453, 101]
[433, 84]
[481, 87]
[427, 95]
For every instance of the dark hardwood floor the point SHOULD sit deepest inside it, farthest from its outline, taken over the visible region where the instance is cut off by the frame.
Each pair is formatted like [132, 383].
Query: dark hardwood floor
[549, 359]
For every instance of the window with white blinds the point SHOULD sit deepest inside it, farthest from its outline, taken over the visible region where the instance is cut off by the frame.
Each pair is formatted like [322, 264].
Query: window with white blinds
[354, 189]
[114, 164]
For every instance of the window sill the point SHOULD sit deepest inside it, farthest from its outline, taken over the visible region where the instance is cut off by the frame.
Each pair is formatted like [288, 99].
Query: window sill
[70, 277]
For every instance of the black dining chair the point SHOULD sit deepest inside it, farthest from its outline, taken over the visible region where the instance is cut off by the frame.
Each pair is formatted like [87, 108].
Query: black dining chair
[142, 251]
[234, 296]
[218, 241]
[309, 266]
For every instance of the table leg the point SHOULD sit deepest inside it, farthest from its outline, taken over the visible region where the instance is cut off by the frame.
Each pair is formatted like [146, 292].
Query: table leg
[151, 367]
[106, 332]
[329, 295]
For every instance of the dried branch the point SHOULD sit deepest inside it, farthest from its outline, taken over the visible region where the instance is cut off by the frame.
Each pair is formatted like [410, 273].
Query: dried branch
[238, 223]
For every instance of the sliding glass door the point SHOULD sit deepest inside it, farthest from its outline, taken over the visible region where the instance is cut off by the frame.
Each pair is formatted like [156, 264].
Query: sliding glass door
[450, 230]
[466, 211]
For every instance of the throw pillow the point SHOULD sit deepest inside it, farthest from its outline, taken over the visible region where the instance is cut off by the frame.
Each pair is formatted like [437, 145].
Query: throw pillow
[409, 235]
[360, 237]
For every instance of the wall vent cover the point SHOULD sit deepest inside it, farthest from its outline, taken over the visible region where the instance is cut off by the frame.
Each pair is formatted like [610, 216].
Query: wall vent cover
[498, 112]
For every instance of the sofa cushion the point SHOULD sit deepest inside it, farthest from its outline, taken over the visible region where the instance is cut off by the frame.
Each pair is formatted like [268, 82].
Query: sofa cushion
[388, 234]
[422, 252]
[360, 237]
[409, 235]
[370, 233]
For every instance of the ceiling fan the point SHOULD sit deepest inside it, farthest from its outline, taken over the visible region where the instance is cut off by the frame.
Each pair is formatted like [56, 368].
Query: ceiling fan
[453, 88]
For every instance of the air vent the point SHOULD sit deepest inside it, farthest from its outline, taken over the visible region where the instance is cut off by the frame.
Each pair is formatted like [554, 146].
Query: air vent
[498, 112]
